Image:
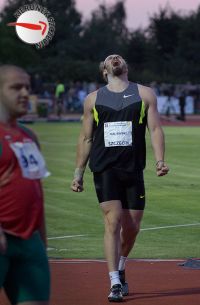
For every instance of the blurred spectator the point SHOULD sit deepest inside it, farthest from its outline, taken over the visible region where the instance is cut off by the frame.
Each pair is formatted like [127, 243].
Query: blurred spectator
[71, 98]
[92, 87]
[60, 89]
[82, 93]
[182, 102]
[155, 88]
[59, 98]
[37, 84]
[168, 106]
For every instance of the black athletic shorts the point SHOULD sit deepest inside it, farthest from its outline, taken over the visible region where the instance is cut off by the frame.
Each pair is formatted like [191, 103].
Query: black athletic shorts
[116, 184]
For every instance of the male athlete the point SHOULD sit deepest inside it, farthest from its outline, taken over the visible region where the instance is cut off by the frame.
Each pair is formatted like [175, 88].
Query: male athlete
[113, 138]
[24, 270]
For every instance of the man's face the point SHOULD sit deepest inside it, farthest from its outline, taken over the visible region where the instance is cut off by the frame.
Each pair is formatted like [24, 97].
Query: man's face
[115, 65]
[14, 93]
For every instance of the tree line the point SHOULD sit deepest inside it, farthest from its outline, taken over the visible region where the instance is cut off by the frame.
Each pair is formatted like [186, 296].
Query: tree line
[168, 50]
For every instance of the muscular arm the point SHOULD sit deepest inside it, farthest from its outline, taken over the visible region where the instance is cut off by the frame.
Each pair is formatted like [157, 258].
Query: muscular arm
[156, 132]
[85, 139]
[84, 143]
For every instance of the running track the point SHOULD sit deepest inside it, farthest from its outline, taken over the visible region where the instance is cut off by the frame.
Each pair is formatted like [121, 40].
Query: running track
[79, 282]
[191, 120]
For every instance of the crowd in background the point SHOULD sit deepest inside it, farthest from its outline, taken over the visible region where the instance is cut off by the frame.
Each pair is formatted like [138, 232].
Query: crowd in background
[69, 97]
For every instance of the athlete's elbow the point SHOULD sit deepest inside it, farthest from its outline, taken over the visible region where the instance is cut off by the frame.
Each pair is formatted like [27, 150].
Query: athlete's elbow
[87, 140]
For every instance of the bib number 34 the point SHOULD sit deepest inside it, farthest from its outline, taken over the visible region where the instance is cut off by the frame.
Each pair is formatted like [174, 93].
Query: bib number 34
[30, 160]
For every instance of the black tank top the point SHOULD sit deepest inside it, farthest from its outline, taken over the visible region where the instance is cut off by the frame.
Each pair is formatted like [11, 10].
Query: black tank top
[119, 134]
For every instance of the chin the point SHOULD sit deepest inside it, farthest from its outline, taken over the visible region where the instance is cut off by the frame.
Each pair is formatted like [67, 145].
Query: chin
[117, 71]
[22, 113]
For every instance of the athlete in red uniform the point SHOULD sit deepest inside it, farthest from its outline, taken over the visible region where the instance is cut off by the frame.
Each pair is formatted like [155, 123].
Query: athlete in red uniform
[22, 226]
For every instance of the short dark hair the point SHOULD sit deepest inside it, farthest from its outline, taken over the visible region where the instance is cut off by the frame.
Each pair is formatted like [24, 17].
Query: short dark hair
[6, 68]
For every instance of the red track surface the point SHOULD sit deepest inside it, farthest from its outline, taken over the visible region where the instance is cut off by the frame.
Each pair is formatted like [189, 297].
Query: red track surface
[191, 120]
[150, 282]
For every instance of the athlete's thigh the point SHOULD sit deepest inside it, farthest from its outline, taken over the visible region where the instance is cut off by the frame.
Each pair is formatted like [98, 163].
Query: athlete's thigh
[112, 213]
[131, 219]
[113, 207]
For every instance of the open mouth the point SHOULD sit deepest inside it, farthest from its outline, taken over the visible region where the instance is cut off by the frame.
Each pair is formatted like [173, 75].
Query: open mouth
[23, 103]
[116, 63]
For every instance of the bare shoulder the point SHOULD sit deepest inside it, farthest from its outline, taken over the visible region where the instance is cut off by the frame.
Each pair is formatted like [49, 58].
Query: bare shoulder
[147, 95]
[90, 100]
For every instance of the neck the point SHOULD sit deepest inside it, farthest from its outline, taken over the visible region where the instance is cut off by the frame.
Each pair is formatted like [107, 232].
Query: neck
[118, 83]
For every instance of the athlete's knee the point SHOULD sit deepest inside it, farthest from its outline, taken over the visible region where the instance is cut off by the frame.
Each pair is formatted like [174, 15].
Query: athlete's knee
[113, 225]
[136, 228]
[131, 230]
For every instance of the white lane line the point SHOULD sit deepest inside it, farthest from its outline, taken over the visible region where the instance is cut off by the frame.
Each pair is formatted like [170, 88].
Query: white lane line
[90, 261]
[66, 236]
[145, 229]
[76, 261]
[173, 226]
[57, 250]
[57, 143]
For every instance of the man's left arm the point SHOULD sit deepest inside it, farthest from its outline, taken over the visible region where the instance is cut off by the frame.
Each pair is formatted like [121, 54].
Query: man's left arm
[156, 132]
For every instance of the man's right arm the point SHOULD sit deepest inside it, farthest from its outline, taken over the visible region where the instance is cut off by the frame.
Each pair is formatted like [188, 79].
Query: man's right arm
[84, 143]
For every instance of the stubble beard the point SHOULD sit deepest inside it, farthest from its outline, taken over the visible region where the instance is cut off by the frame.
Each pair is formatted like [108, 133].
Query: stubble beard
[18, 110]
[117, 70]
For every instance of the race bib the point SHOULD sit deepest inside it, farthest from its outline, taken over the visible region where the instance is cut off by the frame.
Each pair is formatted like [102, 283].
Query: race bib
[30, 159]
[118, 134]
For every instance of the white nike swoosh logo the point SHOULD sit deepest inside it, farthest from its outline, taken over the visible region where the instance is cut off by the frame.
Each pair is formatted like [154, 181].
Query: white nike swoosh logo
[125, 96]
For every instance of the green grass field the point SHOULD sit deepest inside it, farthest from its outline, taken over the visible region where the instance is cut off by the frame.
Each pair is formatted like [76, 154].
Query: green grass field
[171, 225]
